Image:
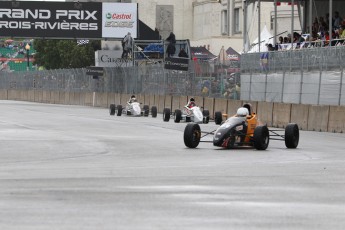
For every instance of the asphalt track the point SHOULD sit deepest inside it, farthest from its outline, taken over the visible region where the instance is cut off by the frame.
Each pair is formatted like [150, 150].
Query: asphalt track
[74, 167]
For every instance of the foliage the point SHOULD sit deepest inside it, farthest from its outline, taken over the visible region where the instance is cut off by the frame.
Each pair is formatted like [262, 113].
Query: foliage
[60, 54]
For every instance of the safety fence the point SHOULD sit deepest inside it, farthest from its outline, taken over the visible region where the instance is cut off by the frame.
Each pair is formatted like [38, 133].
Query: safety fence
[306, 76]
[204, 78]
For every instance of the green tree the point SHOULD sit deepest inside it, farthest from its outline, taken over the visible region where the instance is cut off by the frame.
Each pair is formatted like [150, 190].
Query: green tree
[59, 54]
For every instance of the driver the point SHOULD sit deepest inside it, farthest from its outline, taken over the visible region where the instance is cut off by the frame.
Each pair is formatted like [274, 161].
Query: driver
[242, 112]
[191, 103]
[132, 99]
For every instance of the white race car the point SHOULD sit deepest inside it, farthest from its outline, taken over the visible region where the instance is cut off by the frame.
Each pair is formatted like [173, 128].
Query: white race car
[132, 109]
[193, 114]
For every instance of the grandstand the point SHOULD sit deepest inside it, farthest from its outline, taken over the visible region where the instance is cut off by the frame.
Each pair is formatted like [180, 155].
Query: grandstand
[13, 55]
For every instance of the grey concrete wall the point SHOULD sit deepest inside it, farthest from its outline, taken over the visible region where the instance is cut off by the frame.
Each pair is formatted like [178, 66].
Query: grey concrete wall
[336, 121]
[318, 118]
[323, 118]
[281, 114]
[299, 115]
[265, 111]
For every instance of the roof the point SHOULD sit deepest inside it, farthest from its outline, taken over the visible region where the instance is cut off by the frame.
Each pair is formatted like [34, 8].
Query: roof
[201, 53]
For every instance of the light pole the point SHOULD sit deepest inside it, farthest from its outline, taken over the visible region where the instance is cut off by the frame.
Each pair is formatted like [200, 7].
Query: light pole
[27, 47]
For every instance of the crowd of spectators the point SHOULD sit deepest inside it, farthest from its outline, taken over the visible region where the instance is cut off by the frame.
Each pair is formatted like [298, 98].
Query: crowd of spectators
[319, 36]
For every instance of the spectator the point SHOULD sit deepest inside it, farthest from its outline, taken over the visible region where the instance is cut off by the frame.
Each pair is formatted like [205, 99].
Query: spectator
[171, 46]
[337, 20]
[183, 53]
[128, 43]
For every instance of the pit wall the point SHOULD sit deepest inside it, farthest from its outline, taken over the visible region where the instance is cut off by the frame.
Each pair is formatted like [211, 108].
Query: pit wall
[308, 117]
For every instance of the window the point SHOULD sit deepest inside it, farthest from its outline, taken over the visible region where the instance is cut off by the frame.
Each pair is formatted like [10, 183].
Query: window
[237, 24]
[224, 19]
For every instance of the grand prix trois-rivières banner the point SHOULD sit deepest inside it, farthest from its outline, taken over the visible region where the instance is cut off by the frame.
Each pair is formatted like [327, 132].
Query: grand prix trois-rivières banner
[94, 20]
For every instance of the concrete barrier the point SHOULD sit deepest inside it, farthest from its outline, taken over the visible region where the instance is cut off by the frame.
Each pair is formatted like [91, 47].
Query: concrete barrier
[54, 97]
[11, 94]
[281, 114]
[336, 121]
[117, 99]
[160, 103]
[265, 112]
[38, 95]
[299, 115]
[101, 100]
[318, 118]
[111, 99]
[168, 102]
[175, 102]
[221, 104]
[184, 101]
[45, 96]
[75, 100]
[3, 94]
[66, 98]
[124, 98]
[151, 100]
[233, 105]
[31, 95]
[209, 105]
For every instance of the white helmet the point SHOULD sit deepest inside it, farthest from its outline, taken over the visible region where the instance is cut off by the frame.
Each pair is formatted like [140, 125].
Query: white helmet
[242, 112]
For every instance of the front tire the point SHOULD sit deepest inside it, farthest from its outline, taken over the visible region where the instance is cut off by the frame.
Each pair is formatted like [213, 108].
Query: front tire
[206, 115]
[261, 137]
[112, 108]
[178, 116]
[146, 109]
[154, 111]
[192, 135]
[166, 114]
[218, 118]
[119, 110]
[291, 136]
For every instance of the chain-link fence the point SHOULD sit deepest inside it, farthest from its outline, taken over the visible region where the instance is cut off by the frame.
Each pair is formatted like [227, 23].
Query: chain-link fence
[203, 78]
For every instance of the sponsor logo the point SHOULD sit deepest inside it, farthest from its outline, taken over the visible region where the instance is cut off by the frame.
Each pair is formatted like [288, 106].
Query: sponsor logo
[119, 20]
[19, 19]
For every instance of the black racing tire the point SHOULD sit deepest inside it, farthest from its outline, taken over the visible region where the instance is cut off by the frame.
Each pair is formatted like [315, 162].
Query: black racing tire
[218, 118]
[166, 114]
[178, 116]
[154, 111]
[119, 110]
[291, 136]
[206, 115]
[146, 109]
[112, 108]
[261, 137]
[192, 135]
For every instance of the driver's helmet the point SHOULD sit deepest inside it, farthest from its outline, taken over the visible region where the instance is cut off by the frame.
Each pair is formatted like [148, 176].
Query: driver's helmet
[191, 99]
[133, 96]
[242, 112]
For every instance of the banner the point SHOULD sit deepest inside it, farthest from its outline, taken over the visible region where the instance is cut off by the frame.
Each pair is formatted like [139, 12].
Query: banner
[70, 20]
[176, 63]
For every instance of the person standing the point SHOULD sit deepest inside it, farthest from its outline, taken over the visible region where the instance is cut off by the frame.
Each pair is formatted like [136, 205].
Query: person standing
[171, 49]
[127, 45]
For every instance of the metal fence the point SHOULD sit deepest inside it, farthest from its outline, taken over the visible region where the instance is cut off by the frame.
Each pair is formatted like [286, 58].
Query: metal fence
[203, 79]
[307, 76]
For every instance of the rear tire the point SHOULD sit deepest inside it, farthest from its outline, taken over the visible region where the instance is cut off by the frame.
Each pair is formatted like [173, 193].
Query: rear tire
[291, 136]
[218, 118]
[112, 108]
[154, 111]
[192, 135]
[178, 116]
[146, 109]
[166, 114]
[206, 114]
[261, 137]
[119, 110]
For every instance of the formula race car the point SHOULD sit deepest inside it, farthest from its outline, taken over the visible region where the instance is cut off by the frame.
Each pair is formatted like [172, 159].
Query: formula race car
[242, 129]
[132, 109]
[193, 114]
